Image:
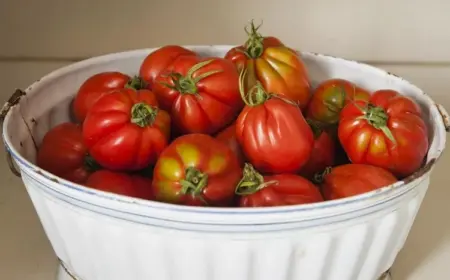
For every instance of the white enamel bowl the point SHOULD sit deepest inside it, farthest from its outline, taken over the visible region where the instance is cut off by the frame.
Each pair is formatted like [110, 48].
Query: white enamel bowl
[103, 236]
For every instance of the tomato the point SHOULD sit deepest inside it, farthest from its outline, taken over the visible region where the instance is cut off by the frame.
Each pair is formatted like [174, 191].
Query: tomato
[353, 179]
[388, 132]
[202, 95]
[278, 68]
[330, 97]
[272, 132]
[63, 153]
[98, 85]
[125, 130]
[157, 61]
[196, 169]
[276, 190]
[323, 152]
[121, 183]
[228, 136]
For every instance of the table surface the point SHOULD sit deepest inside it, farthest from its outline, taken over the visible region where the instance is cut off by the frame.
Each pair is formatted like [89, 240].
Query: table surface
[26, 253]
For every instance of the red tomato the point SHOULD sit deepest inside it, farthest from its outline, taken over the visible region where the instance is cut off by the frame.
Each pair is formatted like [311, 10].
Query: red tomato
[323, 152]
[388, 132]
[228, 136]
[278, 68]
[63, 153]
[121, 183]
[330, 97]
[276, 190]
[98, 85]
[272, 132]
[202, 95]
[125, 130]
[157, 61]
[353, 179]
[196, 169]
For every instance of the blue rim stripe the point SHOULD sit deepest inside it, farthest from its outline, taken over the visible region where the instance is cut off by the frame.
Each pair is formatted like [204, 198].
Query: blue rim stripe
[222, 227]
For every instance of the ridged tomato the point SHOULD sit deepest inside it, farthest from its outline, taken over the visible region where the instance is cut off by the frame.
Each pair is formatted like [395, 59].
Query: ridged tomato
[330, 97]
[278, 68]
[121, 183]
[63, 153]
[272, 132]
[354, 179]
[196, 169]
[157, 62]
[202, 95]
[388, 131]
[125, 130]
[98, 85]
[276, 190]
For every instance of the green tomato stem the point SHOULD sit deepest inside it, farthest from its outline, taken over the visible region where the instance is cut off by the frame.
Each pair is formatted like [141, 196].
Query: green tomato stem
[378, 118]
[316, 127]
[252, 181]
[143, 114]
[188, 84]
[254, 46]
[320, 176]
[257, 95]
[194, 183]
[136, 83]
[90, 164]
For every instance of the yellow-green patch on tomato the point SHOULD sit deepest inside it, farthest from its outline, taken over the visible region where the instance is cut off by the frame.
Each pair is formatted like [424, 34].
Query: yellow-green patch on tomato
[189, 154]
[165, 189]
[171, 169]
[217, 163]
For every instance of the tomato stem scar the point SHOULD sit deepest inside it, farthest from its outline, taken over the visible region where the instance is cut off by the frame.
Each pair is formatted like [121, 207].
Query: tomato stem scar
[251, 182]
[136, 83]
[195, 181]
[143, 114]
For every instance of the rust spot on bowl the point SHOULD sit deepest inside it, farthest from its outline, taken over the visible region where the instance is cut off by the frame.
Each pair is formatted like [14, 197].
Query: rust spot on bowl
[445, 117]
[386, 276]
[395, 75]
[12, 101]
[50, 178]
[54, 180]
[424, 169]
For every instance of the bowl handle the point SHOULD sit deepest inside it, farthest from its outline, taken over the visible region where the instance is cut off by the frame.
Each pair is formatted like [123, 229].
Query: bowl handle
[11, 102]
[445, 116]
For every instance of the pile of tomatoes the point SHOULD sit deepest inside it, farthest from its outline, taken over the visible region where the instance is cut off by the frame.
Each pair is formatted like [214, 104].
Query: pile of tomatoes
[242, 130]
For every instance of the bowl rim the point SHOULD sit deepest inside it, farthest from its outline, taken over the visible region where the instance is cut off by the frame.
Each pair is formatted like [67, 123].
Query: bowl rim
[50, 179]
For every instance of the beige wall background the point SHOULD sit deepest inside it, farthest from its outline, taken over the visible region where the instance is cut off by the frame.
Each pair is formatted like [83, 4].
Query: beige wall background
[408, 37]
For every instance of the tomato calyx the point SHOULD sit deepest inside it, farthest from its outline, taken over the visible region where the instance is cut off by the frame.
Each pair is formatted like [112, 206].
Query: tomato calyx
[143, 114]
[194, 183]
[254, 46]
[188, 84]
[136, 83]
[316, 127]
[378, 118]
[252, 181]
[90, 164]
[257, 95]
[320, 176]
